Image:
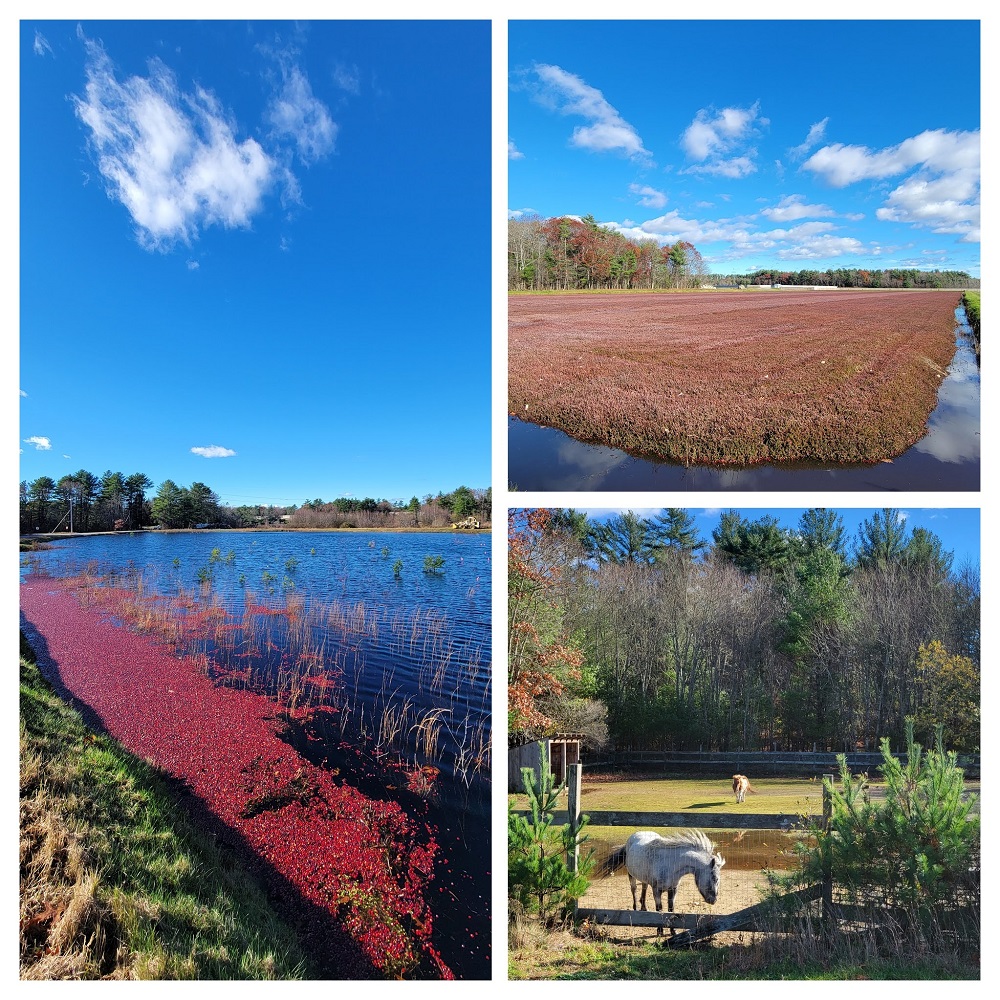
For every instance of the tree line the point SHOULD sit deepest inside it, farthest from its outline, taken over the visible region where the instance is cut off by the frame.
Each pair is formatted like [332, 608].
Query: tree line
[854, 277]
[569, 253]
[639, 633]
[82, 502]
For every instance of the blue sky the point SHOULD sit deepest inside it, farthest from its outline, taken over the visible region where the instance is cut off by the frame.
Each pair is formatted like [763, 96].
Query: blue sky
[254, 255]
[787, 144]
[957, 527]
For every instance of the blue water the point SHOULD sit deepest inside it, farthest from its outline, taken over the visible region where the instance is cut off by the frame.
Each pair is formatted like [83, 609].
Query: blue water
[424, 639]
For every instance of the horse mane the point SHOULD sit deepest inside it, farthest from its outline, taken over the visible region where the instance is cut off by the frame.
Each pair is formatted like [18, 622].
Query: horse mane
[688, 838]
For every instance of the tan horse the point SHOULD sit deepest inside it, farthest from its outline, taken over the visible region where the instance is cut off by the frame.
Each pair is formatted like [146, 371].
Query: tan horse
[741, 785]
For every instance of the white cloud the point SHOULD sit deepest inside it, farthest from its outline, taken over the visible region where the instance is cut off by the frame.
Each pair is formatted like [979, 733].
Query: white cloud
[41, 45]
[513, 153]
[938, 151]
[40, 443]
[567, 94]
[816, 133]
[296, 113]
[948, 204]
[22, 392]
[941, 193]
[213, 451]
[811, 240]
[717, 141]
[193, 265]
[347, 78]
[649, 196]
[171, 158]
[519, 213]
[793, 207]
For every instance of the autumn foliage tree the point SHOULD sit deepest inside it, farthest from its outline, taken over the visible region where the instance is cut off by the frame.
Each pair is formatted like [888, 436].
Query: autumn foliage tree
[949, 690]
[543, 664]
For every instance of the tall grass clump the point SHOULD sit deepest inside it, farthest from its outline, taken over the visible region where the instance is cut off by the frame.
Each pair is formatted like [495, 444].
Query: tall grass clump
[970, 300]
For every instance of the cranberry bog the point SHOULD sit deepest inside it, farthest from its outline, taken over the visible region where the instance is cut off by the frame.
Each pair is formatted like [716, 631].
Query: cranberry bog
[341, 747]
[734, 379]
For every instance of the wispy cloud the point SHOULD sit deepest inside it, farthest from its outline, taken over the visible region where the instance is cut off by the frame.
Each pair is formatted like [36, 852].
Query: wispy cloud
[519, 213]
[171, 158]
[41, 45]
[22, 392]
[513, 153]
[39, 443]
[792, 207]
[297, 114]
[607, 131]
[347, 78]
[718, 141]
[816, 133]
[213, 451]
[648, 196]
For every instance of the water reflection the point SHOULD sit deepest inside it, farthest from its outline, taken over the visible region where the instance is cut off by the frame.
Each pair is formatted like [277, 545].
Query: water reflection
[946, 458]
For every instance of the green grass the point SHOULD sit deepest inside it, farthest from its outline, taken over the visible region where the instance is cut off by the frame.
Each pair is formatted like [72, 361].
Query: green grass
[589, 960]
[696, 795]
[971, 302]
[115, 881]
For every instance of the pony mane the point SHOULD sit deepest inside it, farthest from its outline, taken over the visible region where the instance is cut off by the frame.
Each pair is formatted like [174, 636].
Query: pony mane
[688, 838]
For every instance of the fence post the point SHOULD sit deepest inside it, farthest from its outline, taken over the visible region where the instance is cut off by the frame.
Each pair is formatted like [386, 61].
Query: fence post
[573, 780]
[827, 874]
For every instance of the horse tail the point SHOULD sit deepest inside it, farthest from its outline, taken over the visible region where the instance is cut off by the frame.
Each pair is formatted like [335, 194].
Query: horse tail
[612, 862]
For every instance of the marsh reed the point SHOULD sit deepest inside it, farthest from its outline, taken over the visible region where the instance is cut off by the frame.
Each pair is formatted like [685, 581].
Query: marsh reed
[410, 685]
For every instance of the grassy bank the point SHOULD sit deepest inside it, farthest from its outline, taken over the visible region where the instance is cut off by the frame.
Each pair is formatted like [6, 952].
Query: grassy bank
[971, 302]
[588, 955]
[115, 883]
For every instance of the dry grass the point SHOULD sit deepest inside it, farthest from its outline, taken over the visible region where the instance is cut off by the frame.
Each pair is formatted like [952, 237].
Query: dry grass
[739, 379]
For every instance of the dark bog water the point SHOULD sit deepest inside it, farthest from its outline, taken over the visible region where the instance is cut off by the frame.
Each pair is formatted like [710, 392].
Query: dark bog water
[946, 458]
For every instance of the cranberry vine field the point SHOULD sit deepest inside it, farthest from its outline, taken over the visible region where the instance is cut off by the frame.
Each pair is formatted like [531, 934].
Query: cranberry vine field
[734, 379]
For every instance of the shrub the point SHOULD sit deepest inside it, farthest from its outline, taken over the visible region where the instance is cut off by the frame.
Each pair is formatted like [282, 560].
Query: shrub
[539, 880]
[433, 565]
[916, 853]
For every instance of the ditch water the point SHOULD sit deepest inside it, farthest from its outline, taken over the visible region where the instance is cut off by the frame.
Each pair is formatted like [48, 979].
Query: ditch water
[409, 651]
[946, 458]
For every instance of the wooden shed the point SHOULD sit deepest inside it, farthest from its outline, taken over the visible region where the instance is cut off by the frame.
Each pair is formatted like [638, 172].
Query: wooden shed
[560, 751]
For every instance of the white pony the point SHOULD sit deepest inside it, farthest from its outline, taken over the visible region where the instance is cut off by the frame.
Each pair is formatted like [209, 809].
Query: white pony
[661, 862]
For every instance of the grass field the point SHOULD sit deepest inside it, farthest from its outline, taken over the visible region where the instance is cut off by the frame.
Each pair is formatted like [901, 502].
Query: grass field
[738, 379]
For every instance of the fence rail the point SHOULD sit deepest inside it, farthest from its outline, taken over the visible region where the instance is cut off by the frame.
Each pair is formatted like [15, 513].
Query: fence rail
[765, 762]
[715, 821]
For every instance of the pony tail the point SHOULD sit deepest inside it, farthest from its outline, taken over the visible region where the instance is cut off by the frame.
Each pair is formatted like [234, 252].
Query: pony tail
[612, 862]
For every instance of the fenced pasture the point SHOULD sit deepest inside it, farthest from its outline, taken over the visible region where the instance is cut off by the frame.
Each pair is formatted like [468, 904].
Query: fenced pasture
[753, 837]
[735, 379]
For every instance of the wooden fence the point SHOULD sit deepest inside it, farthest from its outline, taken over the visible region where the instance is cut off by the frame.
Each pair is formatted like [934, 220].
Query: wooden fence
[764, 763]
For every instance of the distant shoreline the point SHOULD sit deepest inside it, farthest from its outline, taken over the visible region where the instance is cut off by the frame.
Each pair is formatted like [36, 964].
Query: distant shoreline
[439, 529]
